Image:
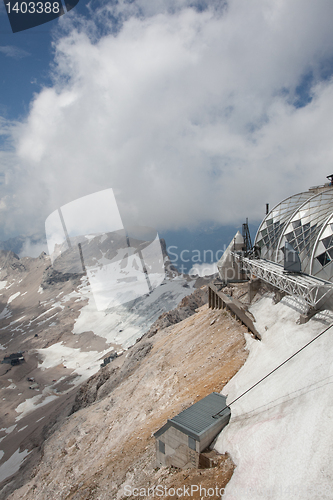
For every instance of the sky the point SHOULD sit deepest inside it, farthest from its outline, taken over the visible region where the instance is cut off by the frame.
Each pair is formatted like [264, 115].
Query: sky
[195, 112]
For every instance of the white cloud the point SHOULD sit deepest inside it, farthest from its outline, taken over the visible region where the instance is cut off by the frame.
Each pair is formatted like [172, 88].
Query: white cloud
[33, 249]
[189, 116]
[12, 51]
[205, 269]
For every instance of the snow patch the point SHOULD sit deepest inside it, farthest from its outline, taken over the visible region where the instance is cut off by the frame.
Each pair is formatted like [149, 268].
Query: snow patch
[6, 313]
[57, 304]
[12, 385]
[47, 319]
[84, 364]
[3, 284]
[13, 464]
[8, 430]
[15, 321]
[31, 404]
[13, 297]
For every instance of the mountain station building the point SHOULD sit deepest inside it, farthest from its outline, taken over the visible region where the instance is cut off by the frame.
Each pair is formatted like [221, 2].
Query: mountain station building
[181, 440]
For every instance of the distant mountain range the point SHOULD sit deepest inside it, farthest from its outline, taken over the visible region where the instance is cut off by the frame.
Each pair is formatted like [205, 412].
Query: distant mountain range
[186, 247]
[203, 245]
[26, 246]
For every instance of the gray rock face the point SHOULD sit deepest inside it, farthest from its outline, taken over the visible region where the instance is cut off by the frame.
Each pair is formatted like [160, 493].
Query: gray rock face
[184, 309]
[9, 262]
[108, 378]
[51, 276]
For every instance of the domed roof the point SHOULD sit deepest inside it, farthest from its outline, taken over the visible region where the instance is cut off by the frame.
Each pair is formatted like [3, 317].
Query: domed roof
[305, 221]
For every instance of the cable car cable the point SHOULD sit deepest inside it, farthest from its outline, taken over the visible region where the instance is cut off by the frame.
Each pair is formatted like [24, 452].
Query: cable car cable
[275, 369]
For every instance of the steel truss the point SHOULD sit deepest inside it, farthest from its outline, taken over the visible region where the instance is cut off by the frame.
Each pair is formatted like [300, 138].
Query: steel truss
[311, 289]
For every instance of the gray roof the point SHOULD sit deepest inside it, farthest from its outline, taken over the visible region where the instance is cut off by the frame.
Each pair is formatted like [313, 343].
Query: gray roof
[198, 418]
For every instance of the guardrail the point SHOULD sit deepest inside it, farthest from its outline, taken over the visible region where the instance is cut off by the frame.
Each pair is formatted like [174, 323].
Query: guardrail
[219, 300]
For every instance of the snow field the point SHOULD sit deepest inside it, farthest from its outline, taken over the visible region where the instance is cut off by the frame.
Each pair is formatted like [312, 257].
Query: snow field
[281, 433]
[132, 323]
[84, 364]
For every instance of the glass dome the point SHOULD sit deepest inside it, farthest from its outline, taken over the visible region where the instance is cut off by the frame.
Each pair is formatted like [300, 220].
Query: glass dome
[305, 221]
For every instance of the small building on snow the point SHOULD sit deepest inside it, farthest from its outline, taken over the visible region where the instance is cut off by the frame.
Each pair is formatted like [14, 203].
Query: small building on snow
[181, 440]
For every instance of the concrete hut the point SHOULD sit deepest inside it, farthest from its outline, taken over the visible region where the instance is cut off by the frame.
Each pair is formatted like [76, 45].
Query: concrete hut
[181, 440]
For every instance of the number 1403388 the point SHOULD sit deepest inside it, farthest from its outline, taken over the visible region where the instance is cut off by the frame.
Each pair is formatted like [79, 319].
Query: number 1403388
[33, 7]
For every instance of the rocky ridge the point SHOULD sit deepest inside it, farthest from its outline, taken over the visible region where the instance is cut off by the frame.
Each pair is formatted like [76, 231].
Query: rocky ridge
[39, 310]
[107, 443]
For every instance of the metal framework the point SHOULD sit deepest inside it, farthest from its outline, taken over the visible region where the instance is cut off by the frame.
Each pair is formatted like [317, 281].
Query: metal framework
[275, 222]
[312, 290]
[305, 221]
[246, 237]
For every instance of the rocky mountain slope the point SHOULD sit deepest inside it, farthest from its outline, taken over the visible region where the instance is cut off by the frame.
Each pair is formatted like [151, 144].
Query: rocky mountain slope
[95, 440]
[106, 444]
[50, 317]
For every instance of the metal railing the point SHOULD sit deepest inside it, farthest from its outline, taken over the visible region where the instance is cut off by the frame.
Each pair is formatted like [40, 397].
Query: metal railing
[312, 290]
